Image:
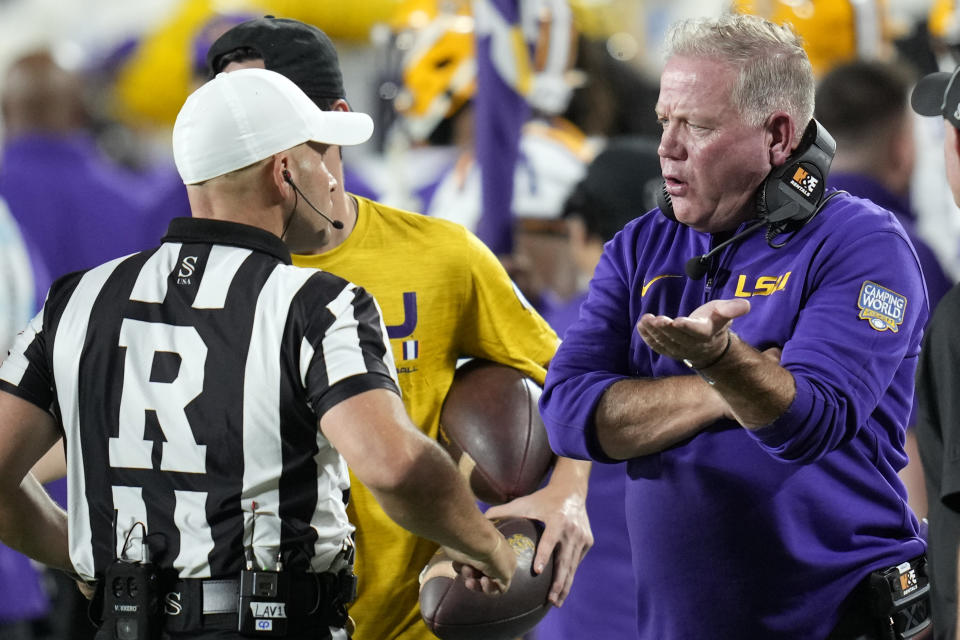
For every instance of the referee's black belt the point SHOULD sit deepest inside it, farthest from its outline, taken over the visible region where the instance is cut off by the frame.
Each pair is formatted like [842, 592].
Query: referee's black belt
[222, 595]
[219, 596]
[318, 599]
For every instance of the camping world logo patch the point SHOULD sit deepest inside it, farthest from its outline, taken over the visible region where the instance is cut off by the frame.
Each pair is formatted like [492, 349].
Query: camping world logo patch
[882, 308]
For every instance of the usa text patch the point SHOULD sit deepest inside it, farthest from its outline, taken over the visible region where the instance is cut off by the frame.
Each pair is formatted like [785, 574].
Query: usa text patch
[882, 308]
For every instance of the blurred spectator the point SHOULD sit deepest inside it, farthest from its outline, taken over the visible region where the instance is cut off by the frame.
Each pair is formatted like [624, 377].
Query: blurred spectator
[620, 184]
[75, 207]
[614, 98]
[864, 104]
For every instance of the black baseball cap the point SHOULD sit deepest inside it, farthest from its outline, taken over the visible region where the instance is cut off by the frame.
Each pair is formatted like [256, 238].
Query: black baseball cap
[300, 51]
[938, 94]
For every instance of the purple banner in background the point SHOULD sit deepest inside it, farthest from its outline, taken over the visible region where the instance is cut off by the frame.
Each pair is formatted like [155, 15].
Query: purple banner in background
[499, 113]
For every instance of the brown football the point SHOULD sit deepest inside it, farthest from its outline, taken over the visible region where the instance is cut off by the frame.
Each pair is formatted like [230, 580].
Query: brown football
[490, 424]
[453, 612]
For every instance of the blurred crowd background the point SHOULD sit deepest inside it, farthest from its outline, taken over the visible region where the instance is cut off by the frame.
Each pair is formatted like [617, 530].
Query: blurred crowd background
[544, 150]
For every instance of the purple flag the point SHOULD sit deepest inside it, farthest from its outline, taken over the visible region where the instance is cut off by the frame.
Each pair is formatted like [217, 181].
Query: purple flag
[500, 112]
[509, 34]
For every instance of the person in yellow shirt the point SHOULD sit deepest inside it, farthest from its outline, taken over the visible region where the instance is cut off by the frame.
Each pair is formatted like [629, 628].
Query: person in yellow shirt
[444, 296]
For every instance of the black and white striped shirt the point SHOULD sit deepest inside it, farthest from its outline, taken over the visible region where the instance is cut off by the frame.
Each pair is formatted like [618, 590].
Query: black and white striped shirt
[189, 380]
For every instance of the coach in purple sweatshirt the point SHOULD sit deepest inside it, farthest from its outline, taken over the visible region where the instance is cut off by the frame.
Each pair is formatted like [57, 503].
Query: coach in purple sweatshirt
[760, 391]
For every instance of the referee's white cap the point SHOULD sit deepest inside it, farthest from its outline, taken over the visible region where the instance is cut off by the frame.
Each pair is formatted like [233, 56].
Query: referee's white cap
[244, 116]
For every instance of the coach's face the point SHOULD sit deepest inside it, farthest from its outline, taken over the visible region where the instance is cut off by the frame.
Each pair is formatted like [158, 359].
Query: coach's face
[712, 161]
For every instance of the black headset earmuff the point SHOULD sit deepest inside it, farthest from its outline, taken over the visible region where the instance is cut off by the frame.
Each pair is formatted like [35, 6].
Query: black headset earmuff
[792, 192]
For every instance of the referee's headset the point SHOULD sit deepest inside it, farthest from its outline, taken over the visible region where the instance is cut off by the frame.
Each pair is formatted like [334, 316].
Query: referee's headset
[789, 197]
[336, 223]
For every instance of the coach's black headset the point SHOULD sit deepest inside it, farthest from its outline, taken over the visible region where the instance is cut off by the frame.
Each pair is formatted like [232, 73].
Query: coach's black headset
[789, 197]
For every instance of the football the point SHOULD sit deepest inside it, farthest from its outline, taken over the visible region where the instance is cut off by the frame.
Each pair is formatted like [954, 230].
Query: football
[490, 424]
[453, 612]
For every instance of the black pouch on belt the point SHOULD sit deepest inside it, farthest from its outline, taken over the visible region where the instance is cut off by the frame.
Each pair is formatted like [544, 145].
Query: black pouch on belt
[264, 600]
[900, 599]
[131, 601]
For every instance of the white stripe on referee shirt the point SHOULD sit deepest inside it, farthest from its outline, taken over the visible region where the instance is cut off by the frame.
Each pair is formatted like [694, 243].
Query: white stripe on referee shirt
[341, 352]
[222, 265]
[262, 454]
[150, 286]
[16, 364]
[331, 483]
[67, 347]
[128, 501]
[306, 357]
[196, 539]
[328, 520]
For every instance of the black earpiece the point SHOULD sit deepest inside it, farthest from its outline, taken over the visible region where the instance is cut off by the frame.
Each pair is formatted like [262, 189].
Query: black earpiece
[335, 223]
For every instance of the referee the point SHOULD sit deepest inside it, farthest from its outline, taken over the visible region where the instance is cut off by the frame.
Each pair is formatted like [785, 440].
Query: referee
[188, 383]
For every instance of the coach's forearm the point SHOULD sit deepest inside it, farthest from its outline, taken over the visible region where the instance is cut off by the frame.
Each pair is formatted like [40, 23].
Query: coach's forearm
[642, 416]
[753, 384]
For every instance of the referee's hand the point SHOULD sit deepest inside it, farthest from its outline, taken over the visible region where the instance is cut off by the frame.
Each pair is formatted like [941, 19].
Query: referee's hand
[491, 572]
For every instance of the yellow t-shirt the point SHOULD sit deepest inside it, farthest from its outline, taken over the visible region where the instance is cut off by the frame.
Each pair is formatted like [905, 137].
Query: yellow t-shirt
[443, 296]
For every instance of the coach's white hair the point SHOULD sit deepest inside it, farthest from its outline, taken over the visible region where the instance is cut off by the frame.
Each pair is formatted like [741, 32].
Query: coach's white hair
[774, 72]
